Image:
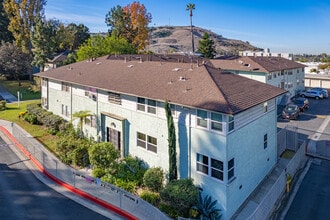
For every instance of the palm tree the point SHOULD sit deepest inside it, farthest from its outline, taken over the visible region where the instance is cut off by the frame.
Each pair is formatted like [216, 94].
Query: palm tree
[207, 208]
[190, 7]
[83, 118]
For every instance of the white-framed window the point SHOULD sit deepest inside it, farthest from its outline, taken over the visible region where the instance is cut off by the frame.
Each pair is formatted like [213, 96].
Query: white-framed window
[231, 171]
[147, 142]
[202, 163]
[65, 87]
[265, 107]
[217, 169]
[65, 110]
[210, 166]
[172, 107]
[114, 98]
[91, 121]
[152, 106]
[231, 124]
[202, 118]
[148, 105]
[141, 104]
[265, 141]
[269, 76]
[90, 93]
[216, 121]
[141, 140]
[44, 82]
[152, 144]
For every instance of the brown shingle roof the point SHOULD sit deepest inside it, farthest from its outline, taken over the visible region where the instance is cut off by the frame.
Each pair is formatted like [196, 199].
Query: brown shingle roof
[256, 64]
[187, 84]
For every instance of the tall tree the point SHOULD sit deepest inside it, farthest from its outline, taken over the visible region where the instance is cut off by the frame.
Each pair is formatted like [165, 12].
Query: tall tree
[76, 35]
[14, 63]
[5, 34]
[140, 19]
[173, 174]
[97, 46]
[21, 16]
[190, 7]
[206, 46]
[119, 23]
[42, 42]
[130, 22]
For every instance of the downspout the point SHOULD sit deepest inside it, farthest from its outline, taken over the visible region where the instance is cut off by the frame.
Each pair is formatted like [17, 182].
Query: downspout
[71, 101]
[189, 145]
[97, 115]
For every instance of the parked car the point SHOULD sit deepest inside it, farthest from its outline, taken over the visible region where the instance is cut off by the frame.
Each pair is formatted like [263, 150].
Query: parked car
[291, 111]
[302, 103]
[311, 94]
[324, 91]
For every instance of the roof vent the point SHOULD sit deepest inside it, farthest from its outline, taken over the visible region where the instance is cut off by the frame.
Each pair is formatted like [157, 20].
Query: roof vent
[130, 66]
[182, 78]
[98, 63]
[247, 64]
[240, 61]
[176, 69]
[70, 68]
[255, 69]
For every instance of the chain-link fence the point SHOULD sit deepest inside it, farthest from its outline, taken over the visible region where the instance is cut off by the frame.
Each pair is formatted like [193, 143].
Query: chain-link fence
[81, 180]
[287, 139]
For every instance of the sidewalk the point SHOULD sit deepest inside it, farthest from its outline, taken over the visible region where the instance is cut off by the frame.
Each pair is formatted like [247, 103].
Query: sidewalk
[43, 178]
[105, 199]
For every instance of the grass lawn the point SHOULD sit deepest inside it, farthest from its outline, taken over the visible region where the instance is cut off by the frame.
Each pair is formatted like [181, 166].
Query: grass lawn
[288, 154]
[39, 132]
[25, 89]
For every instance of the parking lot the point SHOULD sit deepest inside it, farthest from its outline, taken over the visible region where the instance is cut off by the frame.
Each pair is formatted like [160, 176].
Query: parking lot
[309, 121]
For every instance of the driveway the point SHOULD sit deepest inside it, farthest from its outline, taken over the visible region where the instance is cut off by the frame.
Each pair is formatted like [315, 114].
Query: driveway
[7, 96]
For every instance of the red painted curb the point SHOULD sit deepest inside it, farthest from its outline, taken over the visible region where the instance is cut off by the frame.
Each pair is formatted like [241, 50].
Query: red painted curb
[66, 185]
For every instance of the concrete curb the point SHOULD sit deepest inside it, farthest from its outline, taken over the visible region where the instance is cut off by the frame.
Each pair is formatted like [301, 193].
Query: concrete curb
[62, 184]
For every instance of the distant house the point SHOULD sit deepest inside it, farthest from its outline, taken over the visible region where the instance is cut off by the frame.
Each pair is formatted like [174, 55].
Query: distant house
[225, 123]
[266, 53]
[56, 61]
[276, 71]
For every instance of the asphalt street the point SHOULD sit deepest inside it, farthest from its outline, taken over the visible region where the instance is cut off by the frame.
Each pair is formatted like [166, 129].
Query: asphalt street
[23, 196]
[312, 200]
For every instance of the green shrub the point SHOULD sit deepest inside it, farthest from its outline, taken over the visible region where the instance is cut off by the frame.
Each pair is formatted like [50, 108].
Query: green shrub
[151, 197]
[98, 172]
[108, 178]
[129, 186]
[154, 179]
[131, 169]
[32, 119]
[103, 155]
[79, 156]
[181, 195]
[3, 105]
[169, 210]
[52, 122]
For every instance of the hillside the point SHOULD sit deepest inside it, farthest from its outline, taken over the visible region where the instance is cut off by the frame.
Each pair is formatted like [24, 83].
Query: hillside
[169, 39]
